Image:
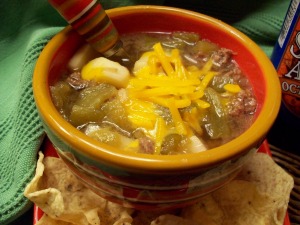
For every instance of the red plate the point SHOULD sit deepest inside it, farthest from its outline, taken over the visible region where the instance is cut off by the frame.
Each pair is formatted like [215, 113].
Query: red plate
[50, 151]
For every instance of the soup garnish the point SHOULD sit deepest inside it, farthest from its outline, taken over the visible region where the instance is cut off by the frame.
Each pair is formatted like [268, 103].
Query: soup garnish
[183, 95]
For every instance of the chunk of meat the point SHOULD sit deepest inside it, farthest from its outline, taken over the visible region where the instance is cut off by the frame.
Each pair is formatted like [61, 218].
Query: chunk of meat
[243, 103]
[222, 57]
[147, 145]
[76, 81]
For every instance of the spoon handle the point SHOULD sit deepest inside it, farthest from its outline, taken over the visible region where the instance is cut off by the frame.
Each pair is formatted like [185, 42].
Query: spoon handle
[90, 20]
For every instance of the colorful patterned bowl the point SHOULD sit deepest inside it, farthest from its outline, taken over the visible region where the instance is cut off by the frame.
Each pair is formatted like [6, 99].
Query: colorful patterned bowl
[158, 182]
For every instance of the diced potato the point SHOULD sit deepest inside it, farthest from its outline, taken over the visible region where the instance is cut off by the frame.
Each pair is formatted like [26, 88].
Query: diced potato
[81, 57]
[195, 145]
[108, 135]
[107, 71]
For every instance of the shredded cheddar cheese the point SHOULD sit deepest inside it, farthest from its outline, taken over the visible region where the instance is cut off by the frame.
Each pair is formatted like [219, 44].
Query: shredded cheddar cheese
[160, 132]
[233, 88]
[141, 113]
[192, 116]
[163, 59]
[178, 122]
[161, 78]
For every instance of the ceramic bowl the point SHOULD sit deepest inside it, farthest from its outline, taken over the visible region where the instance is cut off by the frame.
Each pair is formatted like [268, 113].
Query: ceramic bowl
[150, 182]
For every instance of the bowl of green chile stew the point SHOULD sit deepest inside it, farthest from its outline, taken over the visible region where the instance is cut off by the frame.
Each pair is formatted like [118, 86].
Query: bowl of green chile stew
[177, 124]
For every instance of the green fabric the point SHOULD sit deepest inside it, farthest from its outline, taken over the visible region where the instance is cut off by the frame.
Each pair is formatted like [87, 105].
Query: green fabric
[26, 27]
[261, 20]
[263, 25]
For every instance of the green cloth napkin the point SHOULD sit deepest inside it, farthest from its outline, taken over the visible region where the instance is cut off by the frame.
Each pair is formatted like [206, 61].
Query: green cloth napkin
[27, 26]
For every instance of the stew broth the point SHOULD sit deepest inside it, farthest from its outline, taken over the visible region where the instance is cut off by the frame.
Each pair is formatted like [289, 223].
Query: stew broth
[183, 95]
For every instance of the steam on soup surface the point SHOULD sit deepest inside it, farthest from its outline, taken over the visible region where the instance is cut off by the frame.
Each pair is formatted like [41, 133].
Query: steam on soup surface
[183, 95]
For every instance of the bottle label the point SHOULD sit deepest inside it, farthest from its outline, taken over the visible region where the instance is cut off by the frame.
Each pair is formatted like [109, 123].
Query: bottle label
[288, 67]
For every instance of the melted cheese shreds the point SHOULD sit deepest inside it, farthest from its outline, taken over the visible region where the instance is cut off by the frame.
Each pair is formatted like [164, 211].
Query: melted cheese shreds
[192, 118]
[164, 101]
[164, 60]
[160, 133]
[193, 72]
[133, 146]
[202, 104]
[197, 94]
[177, 120]
[207, 67]
[162, 81]
[179, 68]
[160, 78]
[233, 88]
[207, 78]
[162, 91]
[142, 67]
[141, 113]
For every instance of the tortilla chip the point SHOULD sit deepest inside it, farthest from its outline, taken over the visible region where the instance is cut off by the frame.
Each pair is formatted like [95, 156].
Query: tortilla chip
[206, 212]
[170, 219]
[146, 217]
[59, 194]
[46, 220]
[271, 181]
[259, 195]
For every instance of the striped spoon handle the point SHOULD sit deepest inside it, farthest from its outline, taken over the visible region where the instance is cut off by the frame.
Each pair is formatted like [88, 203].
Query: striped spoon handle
[89, 19]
